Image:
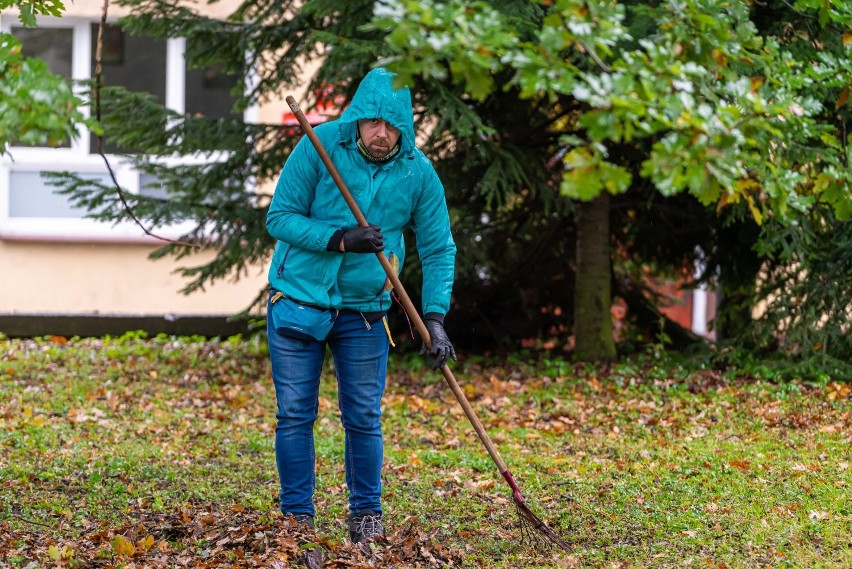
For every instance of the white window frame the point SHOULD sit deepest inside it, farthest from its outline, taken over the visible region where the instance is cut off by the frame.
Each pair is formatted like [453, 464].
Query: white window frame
[78, 158]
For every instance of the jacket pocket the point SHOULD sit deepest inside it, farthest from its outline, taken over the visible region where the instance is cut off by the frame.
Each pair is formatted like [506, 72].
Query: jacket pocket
[360, 278]
[284, 260]
[306, 276]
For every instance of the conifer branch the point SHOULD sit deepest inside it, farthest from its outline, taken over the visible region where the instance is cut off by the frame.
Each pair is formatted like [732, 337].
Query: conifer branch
[98, 85]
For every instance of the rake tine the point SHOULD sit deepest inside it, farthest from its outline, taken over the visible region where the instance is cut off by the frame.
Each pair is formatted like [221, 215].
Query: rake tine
[534, 527]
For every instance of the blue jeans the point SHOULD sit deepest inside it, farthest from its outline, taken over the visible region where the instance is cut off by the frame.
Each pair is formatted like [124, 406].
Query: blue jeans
[360, 355]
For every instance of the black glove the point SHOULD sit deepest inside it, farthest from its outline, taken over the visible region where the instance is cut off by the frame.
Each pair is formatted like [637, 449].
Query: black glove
[441, 348]
[363, 239]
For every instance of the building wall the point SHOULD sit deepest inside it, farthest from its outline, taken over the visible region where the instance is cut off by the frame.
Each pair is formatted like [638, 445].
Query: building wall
[110, 279]
[46, 270]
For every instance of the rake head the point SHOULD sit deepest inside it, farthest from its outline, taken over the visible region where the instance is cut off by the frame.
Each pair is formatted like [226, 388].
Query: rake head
[534, 530]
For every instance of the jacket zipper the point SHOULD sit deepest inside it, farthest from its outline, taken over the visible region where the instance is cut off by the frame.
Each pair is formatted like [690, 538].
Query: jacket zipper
[284, 260]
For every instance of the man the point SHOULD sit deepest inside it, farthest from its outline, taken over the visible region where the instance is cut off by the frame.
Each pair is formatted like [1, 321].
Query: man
[328, 289]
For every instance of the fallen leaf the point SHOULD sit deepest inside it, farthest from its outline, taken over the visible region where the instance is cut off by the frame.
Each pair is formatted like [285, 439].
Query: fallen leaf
[54, 553]
[123, 546]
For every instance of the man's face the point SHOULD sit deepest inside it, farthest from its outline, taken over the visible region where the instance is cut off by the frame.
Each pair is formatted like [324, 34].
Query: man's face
[379, 137]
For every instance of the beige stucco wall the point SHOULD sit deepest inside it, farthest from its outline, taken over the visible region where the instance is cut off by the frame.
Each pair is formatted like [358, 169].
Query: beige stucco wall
[109, 279]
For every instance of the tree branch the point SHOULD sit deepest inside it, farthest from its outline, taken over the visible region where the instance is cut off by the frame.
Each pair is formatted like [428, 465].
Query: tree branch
[98, 85]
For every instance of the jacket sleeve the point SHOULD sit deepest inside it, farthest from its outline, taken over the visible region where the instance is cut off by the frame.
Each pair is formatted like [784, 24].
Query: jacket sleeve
[435, 245]
[287, 219]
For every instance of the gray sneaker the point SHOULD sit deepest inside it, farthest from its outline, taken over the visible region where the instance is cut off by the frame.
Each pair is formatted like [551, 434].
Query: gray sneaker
[303, 519]
[365, 526]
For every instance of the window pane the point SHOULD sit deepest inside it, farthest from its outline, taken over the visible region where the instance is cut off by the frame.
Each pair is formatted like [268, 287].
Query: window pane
[54, 46]
[31, 196]
[208, 92]
[136, 63]
[151, 186]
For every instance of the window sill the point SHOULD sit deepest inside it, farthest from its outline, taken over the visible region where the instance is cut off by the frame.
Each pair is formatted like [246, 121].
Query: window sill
[85, 231]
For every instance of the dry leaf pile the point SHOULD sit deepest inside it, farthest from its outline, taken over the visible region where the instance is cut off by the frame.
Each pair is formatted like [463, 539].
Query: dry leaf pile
[200, 537]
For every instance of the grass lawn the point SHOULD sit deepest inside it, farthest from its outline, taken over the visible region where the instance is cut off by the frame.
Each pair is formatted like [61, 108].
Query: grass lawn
[134, 452]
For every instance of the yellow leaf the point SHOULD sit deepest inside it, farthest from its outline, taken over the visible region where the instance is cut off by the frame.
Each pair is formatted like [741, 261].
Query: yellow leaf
[838, 390]
[145, 544]
[54, 553]
[842, 98]
[758, 216]
[847, 38]
[723, 201]
[123, 546]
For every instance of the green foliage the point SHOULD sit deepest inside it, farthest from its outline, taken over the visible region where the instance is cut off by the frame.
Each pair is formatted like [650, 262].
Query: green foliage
[806, 295]
[29, 9]
[744, 107]
[731, 112]
[36, 106]
[580, 162]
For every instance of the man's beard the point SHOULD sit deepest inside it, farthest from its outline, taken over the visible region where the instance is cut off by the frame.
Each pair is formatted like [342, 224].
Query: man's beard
[377, 154]
[379, 150]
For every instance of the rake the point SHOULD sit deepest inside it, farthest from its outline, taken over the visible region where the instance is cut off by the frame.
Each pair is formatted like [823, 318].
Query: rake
[530, 524]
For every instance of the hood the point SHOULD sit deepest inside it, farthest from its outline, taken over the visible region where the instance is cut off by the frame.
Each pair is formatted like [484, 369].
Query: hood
[376, 98]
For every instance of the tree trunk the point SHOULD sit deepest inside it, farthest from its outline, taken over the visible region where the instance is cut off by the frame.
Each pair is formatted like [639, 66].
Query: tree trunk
[592, 296]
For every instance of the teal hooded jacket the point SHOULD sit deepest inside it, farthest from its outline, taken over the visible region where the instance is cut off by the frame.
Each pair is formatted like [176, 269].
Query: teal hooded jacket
[404, 193]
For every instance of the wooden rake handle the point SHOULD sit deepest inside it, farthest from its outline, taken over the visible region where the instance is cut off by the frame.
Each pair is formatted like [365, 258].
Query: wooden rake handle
[405, 300]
